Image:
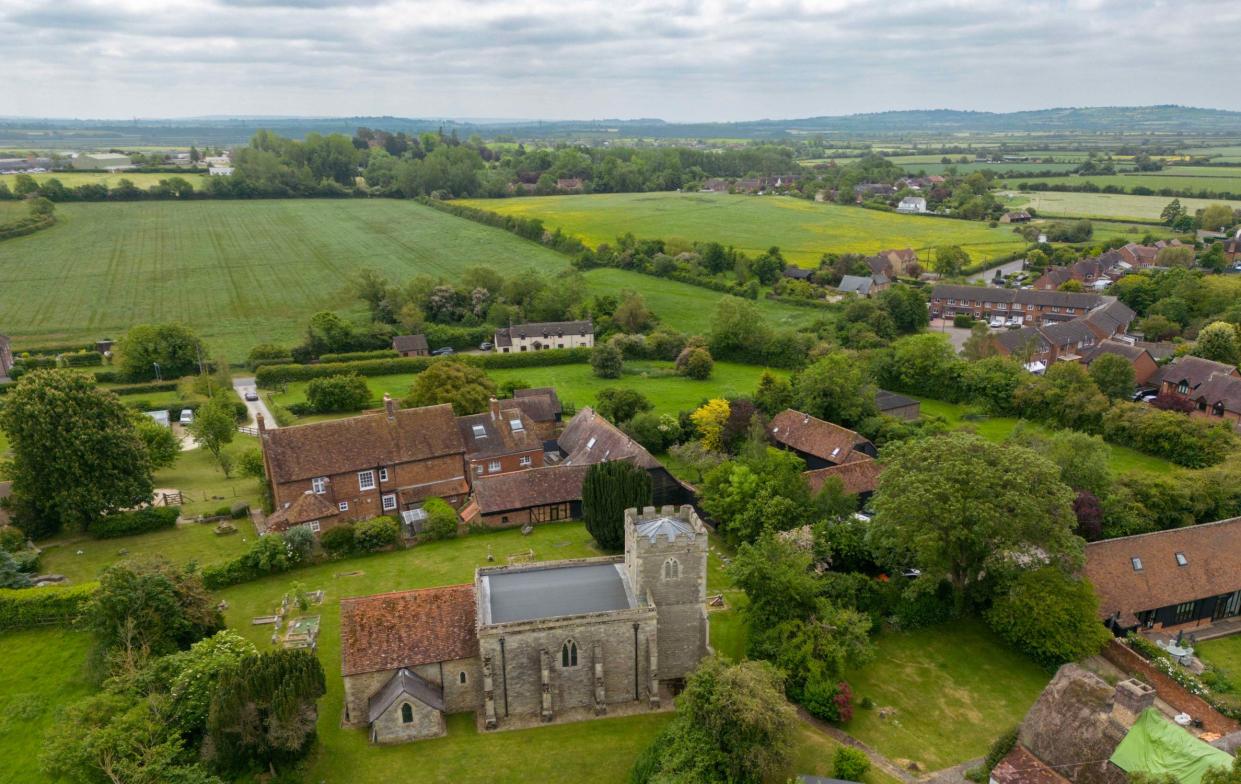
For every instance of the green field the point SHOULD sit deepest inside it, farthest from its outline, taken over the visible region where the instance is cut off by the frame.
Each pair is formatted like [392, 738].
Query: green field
[804, 230]
[1183, 179]
[44, 671]
[144, 180]
[242, 273]
[1112, 206]
[577, 385]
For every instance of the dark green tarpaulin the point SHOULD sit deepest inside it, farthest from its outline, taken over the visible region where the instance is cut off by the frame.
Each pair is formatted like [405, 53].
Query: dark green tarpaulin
[1155, 746]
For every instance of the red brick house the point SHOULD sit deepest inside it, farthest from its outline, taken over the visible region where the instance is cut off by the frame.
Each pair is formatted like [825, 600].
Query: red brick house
[385, 462]
[1144, 365]
[541, 406]
[1182, 578]
[821, 444]
[500, 440]
[1184, 376]
[1139, 256]
[411, 345]
[1030, 305]
[1086, 272]
[540, 495]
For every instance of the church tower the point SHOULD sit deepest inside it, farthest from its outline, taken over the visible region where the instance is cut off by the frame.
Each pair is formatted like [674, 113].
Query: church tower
[666, 561]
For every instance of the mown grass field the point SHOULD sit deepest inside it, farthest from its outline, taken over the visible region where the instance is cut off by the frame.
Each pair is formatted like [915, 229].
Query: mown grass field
[804, 230]
[1191, 179]
[955, 689]
[44, 671]
[144, 180]
[243, 273]
[1109, 206]
[577, 384]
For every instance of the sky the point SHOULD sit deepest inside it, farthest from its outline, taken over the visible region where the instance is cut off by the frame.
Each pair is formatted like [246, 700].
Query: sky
[715, 60]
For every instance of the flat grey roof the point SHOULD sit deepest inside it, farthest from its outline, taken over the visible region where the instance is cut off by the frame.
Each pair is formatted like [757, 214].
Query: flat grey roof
[530, 594]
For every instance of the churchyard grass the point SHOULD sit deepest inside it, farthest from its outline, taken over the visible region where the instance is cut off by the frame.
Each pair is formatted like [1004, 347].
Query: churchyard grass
[804, 230]
[44, 671]
[953, 688]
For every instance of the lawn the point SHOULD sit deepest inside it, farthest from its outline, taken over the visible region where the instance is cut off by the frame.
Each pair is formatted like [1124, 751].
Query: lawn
[1224, 653]
[203, 484]
[804, 230]
[252, 272]
[1113, 206]
[953, 688]
[1123, 459]
[1185, 179]
[44, 671]
[578, 385]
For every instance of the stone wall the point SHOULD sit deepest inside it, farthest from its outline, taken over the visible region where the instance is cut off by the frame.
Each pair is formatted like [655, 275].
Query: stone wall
[458, 697]
[517, 671]
[390, 728]
[1169, 690]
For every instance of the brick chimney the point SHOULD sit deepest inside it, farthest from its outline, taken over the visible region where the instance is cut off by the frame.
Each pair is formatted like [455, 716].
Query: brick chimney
[260, 422]
[389, 406]
[1131, 698]
[495, 410]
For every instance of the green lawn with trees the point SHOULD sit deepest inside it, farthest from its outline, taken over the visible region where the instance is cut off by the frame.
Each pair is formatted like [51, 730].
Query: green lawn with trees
[804, 230]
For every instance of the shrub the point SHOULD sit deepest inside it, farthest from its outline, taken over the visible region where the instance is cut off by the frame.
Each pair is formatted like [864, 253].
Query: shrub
[270, 554]
[22, 608]
[338, 540]
[607, 361]
[828, 701]
[441, 519]
[338, 393]
[1186, 441]
[850, 764]
[378, 533]
[999, 749]
[1050, 616]
[140, 521]
[696, 363]
[274, 375]
[963, 321]
[265, 353]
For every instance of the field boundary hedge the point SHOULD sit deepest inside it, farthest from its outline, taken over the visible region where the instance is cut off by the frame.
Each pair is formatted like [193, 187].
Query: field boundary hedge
[272, 375]
[23, 608]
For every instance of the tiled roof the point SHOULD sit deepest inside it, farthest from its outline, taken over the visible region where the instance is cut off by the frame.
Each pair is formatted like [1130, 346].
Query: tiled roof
[1064, 299]
[855, 283]
[440, 488]
[404, 682]
[505, 335]
[1113, 317]
[540, 404]
[1017, 339]
[887, 401]
[360, 442]
[388, 631]
[1196, 371]
[589, 439]
[798, 273]
[304, 509]
[1019, 766]
[1223, 389]
[1117, 347]
[812, 436]
[856, 476]
[1066, 333]
[410, 343]
[488, 435]
[555, 484]
[1213, 567]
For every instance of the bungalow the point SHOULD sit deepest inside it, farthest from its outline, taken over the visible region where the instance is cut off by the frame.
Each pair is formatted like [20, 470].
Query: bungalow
[327, 473]
[411, 345]
[912, 204]
[542, 336]
[821, 444]
[1144, 365]
[500, 440]
[1180, 578]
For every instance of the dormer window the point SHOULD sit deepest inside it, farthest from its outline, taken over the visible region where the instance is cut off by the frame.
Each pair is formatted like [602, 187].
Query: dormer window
[1137, 563]
[479, 431]
[1183, 387]
[1181, 560]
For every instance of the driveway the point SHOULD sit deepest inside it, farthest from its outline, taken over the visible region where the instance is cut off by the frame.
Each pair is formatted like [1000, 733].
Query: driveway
[244, 384]
[1007, 268]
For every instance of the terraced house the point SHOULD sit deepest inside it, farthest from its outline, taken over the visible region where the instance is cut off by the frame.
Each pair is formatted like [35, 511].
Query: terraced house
[541, 336]
[1032, 306]
[534, 643]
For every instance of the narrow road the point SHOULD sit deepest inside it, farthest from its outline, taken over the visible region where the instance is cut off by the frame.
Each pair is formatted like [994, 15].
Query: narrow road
[244, 384]
[1006, 268]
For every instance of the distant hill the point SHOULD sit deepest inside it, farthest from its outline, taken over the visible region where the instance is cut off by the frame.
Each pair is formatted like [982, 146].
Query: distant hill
[69, 134]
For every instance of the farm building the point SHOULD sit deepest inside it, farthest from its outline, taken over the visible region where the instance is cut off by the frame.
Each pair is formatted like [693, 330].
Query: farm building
[411, 345]
[821, 444]
[108, 161]
[529, 642]
[899, 406]
[1017, 216]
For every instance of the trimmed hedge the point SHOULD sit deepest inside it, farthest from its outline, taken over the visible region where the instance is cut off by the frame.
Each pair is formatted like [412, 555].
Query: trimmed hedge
[272, 375]
[142, 389]
[21, 608]
[82, 358]
[355, 356]
[141, 521]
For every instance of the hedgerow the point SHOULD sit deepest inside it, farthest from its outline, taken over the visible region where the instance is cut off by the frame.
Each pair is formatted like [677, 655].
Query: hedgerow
[22, 608]
[140, 521]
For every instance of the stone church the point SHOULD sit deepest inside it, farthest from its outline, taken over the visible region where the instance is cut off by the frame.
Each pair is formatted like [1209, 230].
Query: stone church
[548, 641]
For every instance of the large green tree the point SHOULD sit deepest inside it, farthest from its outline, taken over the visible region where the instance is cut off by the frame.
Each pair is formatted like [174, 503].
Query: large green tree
[466, 387]
[960, 504]
[1218, 342]
[213, 427]
[836, 389]
[607, 491]
[76, 453]
[1114, 376]
[166, 350]
[1049, 615]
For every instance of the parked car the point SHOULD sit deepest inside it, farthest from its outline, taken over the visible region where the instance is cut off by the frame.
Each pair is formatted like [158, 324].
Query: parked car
[1014, 322]
[1145, 395]
[912, 573]
[485, 346]
[187, 416]
[997, 322]
[251, 395]
[443, 352]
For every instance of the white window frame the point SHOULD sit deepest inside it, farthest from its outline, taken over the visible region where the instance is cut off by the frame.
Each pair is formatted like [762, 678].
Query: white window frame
[493, 466]
[366, 480]
[343, 506]
[319, 485]
[389, 502]
[313, 525]
[383, 474]
[526, 460]
[478, 469]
